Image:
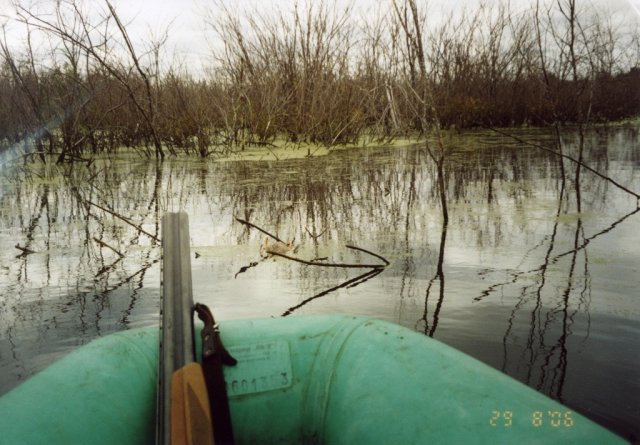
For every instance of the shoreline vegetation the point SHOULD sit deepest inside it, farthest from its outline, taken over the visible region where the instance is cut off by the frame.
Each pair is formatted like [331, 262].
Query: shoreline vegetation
[315, 76]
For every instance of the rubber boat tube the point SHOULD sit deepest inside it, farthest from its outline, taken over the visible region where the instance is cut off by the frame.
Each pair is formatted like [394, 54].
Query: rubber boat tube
[312, 380]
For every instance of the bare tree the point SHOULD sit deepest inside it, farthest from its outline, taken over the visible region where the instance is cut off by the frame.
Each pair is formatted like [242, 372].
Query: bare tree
[315, 73]
[28, 82]
[74, 26]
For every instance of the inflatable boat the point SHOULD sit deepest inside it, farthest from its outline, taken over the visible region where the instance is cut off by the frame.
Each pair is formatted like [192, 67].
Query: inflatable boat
[298, 380]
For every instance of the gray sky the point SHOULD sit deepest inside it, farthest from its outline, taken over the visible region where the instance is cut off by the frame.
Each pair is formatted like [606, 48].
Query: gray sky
[189, 41]
[188, 29]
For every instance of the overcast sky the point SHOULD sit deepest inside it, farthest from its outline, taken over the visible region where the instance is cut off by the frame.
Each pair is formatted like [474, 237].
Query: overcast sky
[188, 23]
[188, 36]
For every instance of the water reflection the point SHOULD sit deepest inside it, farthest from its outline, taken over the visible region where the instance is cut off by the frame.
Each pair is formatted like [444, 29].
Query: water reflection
[528, 253]
[440, 279]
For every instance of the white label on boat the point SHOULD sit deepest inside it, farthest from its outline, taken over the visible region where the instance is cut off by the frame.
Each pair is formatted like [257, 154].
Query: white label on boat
[261, 367]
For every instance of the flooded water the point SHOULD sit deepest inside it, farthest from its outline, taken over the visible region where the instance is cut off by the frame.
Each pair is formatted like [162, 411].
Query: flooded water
[532, 275]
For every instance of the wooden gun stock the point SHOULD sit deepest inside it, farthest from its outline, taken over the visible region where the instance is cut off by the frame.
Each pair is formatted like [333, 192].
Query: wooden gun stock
[190, 412]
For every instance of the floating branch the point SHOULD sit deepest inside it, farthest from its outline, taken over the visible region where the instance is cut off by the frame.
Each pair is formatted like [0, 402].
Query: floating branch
[141, 271]
[349, 283]
[278, 252]
[515, 275]
[586, 241]
[373, 273]
[122, 218]
[341, 265]
[375, 269]
[108, 267]
[369, 252]
[24, 250]
[258, 228]
[103, 244]
[572, 159]
[243, 269]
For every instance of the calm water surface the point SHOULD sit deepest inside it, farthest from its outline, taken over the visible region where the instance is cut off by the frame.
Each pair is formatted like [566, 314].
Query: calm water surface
[538, 278]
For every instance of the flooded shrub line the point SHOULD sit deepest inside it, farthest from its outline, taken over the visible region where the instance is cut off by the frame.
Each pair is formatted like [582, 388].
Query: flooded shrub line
[316, 73]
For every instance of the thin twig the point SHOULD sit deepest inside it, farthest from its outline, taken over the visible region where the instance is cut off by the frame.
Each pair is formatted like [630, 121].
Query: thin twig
[24, 250]
[369, 252]
[103, 244]
[314, 263]
[374, 273]
[122, 218]
[586, 241]
[349, 283]
[109, 267]
[582, 164]
[259, 228]
[243, 269]
[517, 274]
[343, 265]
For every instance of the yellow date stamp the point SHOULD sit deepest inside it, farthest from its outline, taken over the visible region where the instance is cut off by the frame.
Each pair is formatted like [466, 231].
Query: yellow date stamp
[538, 419]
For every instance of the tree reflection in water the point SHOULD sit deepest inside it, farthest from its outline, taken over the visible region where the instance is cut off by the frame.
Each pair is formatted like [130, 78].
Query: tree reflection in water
[526, 253]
